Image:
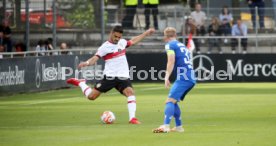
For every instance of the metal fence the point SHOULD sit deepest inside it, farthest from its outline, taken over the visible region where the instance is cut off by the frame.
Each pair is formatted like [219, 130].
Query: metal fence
[49, 18]
[92, 50]
[87, 15]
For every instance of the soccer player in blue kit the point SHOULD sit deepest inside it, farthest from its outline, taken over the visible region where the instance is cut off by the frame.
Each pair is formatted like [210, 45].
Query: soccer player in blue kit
[179, 62]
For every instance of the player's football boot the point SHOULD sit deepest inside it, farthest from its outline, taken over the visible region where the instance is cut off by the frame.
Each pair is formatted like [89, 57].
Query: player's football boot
[177, 129]
[134, 121]
[161, 129]
[75, 81]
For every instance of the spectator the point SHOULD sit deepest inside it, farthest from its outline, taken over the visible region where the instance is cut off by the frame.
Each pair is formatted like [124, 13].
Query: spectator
[260, 4]
[199, 17]
[7, 35]
[214, 30]
[226, 19]
[130, 12]
[239, 29]
[20, 47]
[49, 45]
[40, 48]
[225, 15]
[190, 28]
[151, 6]
[225, 28]
[64, 49]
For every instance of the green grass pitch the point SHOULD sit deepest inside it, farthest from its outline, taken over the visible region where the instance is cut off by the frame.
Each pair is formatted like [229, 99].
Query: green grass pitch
[214, 114]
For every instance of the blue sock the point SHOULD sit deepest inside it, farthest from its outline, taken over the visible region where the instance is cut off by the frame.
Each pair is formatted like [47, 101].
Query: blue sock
[177, 115]
[169, 112]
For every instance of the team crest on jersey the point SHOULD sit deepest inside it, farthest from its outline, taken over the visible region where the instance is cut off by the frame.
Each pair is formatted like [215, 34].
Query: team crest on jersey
[98, 85]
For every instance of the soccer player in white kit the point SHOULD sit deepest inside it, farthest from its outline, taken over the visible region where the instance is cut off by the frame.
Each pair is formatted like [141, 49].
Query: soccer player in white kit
[116, 71]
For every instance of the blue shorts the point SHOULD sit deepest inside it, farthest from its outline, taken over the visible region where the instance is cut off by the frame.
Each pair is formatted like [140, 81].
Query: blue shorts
[180, 89]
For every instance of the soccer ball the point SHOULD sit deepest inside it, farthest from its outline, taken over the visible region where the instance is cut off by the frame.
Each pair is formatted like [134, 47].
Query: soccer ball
[108, 117]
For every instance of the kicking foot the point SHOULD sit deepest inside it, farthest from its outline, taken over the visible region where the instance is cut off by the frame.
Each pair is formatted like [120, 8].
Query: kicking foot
[177, 129]
[75, 81]
[161, 129]
[134, 121]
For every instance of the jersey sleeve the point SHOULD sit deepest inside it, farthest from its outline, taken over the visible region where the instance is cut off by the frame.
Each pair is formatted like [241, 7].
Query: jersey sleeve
[169, 49]
[101, 52]
[122, 44]
[129, 43]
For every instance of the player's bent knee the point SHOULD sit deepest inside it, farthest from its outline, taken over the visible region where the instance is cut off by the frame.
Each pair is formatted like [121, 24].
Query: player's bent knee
[128, 92]
[93, 96]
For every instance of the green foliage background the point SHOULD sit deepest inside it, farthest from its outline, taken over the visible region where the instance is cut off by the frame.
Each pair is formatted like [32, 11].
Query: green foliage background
[81, 14]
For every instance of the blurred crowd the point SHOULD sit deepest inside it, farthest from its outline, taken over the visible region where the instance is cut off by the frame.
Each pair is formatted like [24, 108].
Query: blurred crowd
[47, 45]
[221, 28]
[221, 25]
[8, 45]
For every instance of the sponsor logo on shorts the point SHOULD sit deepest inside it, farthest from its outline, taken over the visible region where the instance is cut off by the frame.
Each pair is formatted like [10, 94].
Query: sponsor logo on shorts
[98, 85]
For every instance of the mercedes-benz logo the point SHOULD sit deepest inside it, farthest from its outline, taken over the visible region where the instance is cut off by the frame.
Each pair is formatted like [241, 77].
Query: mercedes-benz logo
[202, 67]
[37, 73]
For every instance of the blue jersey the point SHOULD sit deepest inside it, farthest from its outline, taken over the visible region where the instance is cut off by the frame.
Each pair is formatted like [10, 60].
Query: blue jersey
[183, 67]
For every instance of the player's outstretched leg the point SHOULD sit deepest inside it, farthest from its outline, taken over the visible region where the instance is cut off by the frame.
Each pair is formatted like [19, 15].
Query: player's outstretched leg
[82, 84]
[169, 112]
[178, 123]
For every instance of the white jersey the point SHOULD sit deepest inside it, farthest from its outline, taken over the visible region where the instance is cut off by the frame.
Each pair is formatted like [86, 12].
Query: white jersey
[116, 64]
